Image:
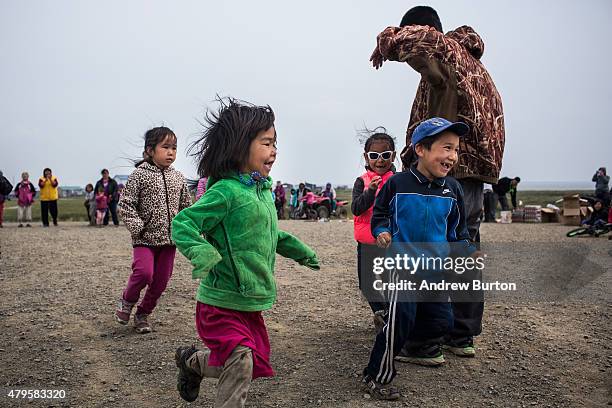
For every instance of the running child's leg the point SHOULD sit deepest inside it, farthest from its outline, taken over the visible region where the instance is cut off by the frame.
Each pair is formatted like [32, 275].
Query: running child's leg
[142, 274]
[163, 263]
[235, 379]
[365, 260]
[381, 368]
[198, 362]
[434, 321]
[193, 365]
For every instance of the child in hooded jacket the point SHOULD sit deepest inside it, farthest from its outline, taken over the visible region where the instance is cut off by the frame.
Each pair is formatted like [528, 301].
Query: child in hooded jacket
[154, 193]
[231, 236]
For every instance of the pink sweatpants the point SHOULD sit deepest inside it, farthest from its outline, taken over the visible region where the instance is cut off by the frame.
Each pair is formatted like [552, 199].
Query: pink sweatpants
[151, 267]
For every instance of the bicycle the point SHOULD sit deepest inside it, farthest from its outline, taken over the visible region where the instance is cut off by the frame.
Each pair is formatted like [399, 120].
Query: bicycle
[593, 230]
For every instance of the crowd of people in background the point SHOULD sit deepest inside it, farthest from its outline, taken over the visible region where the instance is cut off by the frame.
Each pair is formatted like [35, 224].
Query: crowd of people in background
[25, 193]
[101, 199]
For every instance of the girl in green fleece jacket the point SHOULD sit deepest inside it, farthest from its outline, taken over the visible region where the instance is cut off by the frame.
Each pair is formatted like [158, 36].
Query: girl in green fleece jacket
[231, 236]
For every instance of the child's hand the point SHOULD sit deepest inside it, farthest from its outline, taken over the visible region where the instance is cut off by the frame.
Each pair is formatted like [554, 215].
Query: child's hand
[383, 240]
[375, 182]
[312, 263]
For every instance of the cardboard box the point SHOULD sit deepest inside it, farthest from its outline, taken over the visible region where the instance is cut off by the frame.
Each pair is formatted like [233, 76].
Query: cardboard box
[573, 210]
[573, 220]
[549, 215]
[571, 205]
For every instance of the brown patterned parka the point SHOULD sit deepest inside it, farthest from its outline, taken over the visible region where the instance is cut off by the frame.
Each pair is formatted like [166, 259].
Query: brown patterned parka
[454, 85]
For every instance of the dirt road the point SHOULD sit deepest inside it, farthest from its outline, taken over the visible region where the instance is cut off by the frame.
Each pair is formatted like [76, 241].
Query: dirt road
[59, 286]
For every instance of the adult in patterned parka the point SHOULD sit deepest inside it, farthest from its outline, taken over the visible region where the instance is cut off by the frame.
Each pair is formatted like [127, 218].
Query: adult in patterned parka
[456, 86]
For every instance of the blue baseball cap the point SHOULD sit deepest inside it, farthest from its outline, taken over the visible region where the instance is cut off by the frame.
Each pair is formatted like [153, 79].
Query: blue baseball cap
[434, 126]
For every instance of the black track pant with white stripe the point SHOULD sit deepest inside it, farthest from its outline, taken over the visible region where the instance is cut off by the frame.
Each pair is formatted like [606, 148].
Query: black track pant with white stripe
[417, 322]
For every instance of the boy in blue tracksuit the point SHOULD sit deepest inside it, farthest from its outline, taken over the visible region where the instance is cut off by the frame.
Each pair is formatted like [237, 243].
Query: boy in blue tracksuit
[421, 205]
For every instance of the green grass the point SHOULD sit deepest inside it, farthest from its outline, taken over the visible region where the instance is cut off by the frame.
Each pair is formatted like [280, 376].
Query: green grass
[544, 197]
[72, 209]
[68, 209]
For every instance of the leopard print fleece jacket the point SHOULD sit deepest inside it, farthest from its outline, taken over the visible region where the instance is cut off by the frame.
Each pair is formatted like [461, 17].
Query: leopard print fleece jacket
[151, 199]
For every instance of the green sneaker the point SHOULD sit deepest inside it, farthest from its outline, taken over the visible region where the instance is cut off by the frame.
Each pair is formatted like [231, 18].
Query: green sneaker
[429, 355]
[463, 347]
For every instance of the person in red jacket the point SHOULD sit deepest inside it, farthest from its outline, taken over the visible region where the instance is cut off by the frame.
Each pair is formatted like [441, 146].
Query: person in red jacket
[379, 154]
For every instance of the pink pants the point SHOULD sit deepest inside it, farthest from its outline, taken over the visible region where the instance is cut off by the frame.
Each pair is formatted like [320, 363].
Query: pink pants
[151, 267]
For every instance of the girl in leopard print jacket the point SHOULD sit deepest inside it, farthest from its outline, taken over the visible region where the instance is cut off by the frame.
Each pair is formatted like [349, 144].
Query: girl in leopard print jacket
[154, 193]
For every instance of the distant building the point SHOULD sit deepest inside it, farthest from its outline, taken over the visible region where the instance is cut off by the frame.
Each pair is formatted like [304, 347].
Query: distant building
[121, 179]
[70, 191]
[311, 186]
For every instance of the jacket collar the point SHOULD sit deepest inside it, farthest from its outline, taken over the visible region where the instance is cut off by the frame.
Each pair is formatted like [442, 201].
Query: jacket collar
[148, 166]
[264, 183]
[440, 181]
[372, 173]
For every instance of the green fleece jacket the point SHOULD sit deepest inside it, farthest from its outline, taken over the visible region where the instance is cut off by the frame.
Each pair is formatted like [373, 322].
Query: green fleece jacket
[231, 236]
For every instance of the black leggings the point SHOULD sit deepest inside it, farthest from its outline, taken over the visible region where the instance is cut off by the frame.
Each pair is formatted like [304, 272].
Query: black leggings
[365, 256]
[45, 207]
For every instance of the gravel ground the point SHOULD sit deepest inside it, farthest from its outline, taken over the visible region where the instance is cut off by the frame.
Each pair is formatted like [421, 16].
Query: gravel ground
[549, 344]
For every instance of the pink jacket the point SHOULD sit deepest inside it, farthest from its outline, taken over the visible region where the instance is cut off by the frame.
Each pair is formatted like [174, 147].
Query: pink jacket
[25, 194]
[361, 223]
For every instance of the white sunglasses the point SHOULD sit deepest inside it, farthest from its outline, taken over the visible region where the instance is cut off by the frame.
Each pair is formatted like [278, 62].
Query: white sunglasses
[375, 155]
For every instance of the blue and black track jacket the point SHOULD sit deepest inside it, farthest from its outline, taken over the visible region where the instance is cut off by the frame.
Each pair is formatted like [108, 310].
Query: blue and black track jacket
[416, 210]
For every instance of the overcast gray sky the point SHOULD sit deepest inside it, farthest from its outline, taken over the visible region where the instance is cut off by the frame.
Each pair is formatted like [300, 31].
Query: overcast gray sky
[82, 81]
